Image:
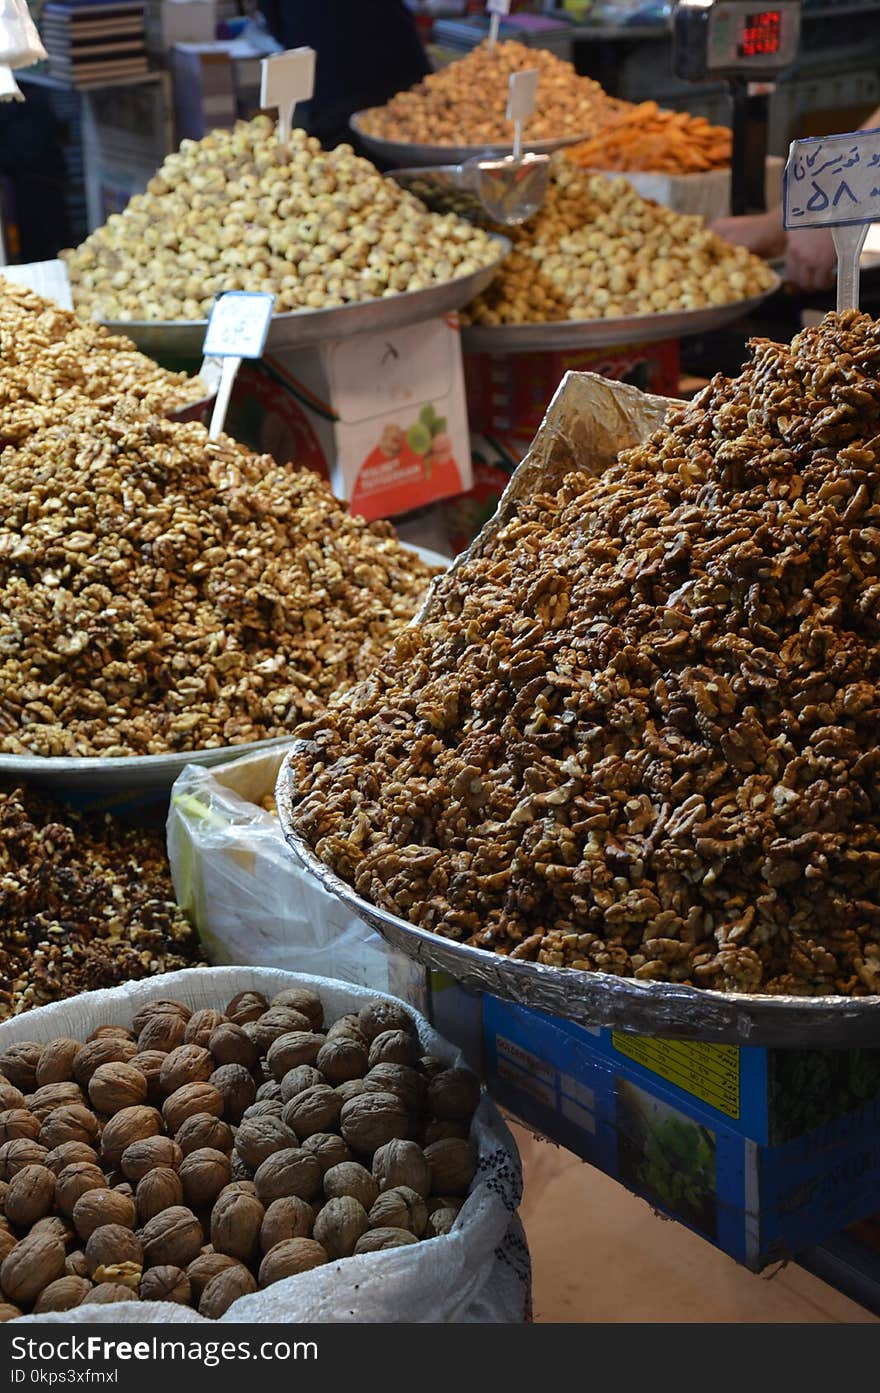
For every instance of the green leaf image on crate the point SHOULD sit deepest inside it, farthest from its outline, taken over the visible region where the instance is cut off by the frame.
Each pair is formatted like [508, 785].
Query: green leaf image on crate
[418, 438]
[667, 1157]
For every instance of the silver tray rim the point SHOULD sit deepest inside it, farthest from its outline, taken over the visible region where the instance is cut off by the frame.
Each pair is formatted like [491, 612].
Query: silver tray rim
[606, 333]
[400, 152]
[597, 998]
[301, 328]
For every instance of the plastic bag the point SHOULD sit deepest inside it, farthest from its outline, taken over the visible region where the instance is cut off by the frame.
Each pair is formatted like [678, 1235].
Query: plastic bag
[238, 881]
[480, 1271]
[20, 44]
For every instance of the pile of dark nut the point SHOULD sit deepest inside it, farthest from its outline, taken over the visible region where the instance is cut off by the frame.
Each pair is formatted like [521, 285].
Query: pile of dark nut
[639, 732]
[161, 591]
[201, 1156]
[85, 902]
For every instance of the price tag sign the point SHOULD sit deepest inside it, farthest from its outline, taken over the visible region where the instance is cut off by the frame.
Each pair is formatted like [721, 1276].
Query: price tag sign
[496, 8]
[237, 329]
[522, 91]
[834, 182]
[47, 278]
[287, 78]
[238, 325]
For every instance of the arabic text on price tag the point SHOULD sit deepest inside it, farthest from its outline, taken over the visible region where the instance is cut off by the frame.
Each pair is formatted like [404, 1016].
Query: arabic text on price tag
[239, 324]
[833, 181]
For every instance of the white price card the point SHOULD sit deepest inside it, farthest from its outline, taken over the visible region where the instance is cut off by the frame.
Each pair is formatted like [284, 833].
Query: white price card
[47, 278]
[498, 7]
[287, 78]
[521, 95]
[833, 181]
[238, 325]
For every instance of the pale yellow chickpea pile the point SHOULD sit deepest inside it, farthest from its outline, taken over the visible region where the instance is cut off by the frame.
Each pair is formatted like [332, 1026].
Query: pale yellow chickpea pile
[240, 210]
[465, 103]
[601, 251]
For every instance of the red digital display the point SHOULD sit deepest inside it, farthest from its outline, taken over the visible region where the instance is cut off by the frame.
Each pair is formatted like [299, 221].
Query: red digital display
[760, 34]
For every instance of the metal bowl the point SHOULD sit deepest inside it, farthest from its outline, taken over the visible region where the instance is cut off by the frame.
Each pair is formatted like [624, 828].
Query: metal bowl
[301, 328]
[596, 998]
[605, 333]
[399, 152]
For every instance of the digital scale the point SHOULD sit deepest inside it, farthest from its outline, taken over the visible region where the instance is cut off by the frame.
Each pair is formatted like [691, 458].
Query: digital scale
[745, 46]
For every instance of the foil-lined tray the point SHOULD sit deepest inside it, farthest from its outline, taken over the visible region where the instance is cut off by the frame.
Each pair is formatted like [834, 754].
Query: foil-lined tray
[400, 152]
[301, 328]
[566, 334]
[592, 419]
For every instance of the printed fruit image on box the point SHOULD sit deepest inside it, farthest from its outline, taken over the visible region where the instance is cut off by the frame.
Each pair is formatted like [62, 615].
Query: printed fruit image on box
[405, 459]
[667, 1157]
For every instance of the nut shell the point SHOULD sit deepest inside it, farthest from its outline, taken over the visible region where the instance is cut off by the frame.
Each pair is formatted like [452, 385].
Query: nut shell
[74, 1181]
[172, 1238]
[30, 1195]
[18, 1064]
[50, 1096]
[292, 1048]
[204, 1129]
[107, 1049]
[15, 1155]
[454, 1095]
[407, 1083]
[236, 1086]
[204, 1173]
[10, 1096]
[402, 1163]
[201, 1026]
[372, 1119]
[378, 1016]
[313, 1110]
[112, 1245]
[163, 1032]
[18, 1122]
[106, 1293]
[67, 1153]
[33, 1263]
[103, 1208]
[185, 1102]
[352, 1179]
[300, 999]
[10, 1312]
[288, 1172]
[378, 1240]
[246, 1006]
[224, 1288]
[260, 1137]
[63, 1294]
[183, 1065]
[328, 1149]
[395, 1047]
[159, 1189]
[229, 1044]
[299, 1079]
[341, 1060]
[339, 1225]
[289, 1258]
[72, 1122]
[399, 1208]
[140, 1157]
[165, 1283]
[289, 1217]
[453, 1164]
[162, 1006]
[150, 1064]
[206, 1266]
[115, 1086]
[235, 1225]
[126, 1127]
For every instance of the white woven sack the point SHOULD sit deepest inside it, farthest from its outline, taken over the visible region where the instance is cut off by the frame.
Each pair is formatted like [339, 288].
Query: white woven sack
[20, 44]
[478, 1272]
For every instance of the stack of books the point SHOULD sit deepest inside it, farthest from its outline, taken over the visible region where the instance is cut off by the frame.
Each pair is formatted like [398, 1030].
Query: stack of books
[94, 42]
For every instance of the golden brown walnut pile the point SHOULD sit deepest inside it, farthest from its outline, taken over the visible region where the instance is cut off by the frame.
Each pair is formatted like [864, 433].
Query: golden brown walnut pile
[202, 1155]
[49, 357]
[239, 210]
[598, 250]
[639, 734]
[465, 103]
[84, 903]
[159, 591]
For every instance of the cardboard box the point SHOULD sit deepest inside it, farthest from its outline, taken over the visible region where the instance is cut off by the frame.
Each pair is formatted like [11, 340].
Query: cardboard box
[508, 393]
[170, 22]
[204, 89]
[382, 416]
[763, 1152]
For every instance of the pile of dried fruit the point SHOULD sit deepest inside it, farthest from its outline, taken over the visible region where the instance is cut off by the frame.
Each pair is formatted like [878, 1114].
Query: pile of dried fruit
[645, 137]
[202, 1155]
[465, 103]
[49, 360]
[598, 250]
[160, 591]
[84, 903]
[243, 210]
[639, 733]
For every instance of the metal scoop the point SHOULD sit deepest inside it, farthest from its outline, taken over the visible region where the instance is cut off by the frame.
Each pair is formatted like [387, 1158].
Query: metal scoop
[506, 191]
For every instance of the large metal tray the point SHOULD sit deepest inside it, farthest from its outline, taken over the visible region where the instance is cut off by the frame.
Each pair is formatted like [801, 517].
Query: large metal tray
[605, 333]
[300, 328]
[399, 152]
[138, 774]
[597, 998]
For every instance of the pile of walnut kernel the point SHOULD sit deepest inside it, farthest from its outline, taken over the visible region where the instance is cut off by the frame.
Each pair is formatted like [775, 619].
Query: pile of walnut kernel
[49, 360]
[639, 732]
[160, 591]
[85, 902]
[203, 1155]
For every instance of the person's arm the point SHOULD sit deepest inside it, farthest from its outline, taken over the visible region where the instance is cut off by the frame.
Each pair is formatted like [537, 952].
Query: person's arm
[810, 258]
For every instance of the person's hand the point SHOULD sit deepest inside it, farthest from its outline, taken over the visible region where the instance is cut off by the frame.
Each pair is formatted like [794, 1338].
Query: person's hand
[761, 233]
[810, 258]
